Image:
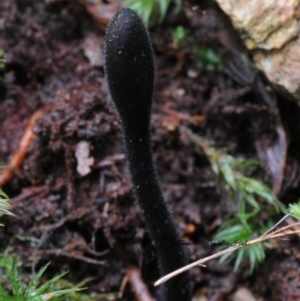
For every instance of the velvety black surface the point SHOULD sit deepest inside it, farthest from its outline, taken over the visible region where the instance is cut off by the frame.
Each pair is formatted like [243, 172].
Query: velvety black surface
[129, 65]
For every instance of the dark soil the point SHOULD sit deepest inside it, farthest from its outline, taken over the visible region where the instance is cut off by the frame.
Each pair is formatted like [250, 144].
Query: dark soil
[90, 224]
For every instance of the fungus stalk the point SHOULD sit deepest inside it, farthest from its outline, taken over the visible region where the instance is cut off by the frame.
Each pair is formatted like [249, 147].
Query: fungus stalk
[129, 67]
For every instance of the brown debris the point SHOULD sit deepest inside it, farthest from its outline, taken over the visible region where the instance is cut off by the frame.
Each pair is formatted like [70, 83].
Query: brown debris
[69, 255]
[24, 144]
[102, 13]
[139, 287]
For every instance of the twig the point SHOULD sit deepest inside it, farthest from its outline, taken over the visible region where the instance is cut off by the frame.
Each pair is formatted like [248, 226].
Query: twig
[140, 290]
[284, 231]
[285, 217]
[70, 177]
[30, 192]
[122, 286]
[48, 229]
[59, 252]
[24, 144]
[111, 160]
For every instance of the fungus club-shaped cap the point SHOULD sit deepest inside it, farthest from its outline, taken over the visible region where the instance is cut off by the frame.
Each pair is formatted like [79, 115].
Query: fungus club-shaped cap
[129, 67]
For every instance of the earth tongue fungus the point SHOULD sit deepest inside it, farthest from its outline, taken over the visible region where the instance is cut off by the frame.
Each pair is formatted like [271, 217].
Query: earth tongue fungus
[129, 66]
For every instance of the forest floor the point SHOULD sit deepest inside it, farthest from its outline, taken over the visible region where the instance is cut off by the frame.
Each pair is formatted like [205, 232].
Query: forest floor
[54, 91]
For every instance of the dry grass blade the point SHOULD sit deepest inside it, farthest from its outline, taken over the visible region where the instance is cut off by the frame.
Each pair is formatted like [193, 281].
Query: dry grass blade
[282, 232]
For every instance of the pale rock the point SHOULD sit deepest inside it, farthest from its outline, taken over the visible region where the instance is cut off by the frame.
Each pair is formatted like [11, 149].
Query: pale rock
[243, 294]
[271, 31]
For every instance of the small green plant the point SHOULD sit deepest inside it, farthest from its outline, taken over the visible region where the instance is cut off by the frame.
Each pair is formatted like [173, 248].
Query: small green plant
[146, 8]
[157, 9]
[6, 260]
[251, 198]
[4, 204]
[209, 58]
[143, 7]
[179, 35]
[31, 292]
[237, 232]
[2, 62]
[295, 209]
[80, 296]
[2, 59]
